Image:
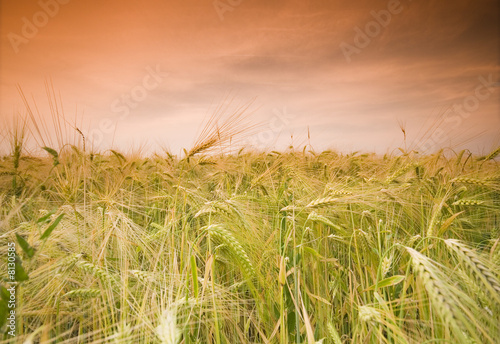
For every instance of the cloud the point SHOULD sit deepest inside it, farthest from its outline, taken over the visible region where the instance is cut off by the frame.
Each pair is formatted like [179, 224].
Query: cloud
[285, 53]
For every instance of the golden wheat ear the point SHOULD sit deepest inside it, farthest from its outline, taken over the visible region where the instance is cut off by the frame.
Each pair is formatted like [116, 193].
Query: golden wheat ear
[224, 127]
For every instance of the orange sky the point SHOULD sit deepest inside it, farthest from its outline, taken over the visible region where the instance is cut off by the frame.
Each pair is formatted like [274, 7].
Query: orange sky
[155, 68]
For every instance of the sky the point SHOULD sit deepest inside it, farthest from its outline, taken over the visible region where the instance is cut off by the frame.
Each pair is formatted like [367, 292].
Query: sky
[334, 74]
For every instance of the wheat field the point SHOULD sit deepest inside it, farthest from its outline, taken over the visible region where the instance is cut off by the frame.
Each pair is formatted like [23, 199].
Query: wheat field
[294, 246]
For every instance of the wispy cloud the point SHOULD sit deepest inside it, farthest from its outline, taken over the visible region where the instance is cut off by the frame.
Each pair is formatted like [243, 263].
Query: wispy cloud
[285, 53]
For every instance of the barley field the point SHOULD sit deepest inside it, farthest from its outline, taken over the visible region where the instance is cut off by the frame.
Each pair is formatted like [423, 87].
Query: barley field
[295, 246]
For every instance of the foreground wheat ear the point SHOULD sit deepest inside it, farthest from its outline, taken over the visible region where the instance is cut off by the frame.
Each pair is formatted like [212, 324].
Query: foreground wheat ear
[213, 247]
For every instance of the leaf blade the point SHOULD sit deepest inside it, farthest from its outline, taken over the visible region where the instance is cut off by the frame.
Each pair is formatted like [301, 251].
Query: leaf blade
[387, 282]
[20, 274]
[30, 251]
[53, 225]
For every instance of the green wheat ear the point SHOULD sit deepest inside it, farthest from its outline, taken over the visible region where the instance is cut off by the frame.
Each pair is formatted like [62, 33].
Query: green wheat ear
[477, 266]
[222, 236]
[470, 202]
[313, 216]
[467, 180]
[402, 170]
[84, 293]
[322, 202]
[491, 156]
[436, 289]
[97, 271]
[333, 333]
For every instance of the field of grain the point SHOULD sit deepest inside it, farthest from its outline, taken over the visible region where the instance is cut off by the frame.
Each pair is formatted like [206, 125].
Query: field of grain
[294, 246]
